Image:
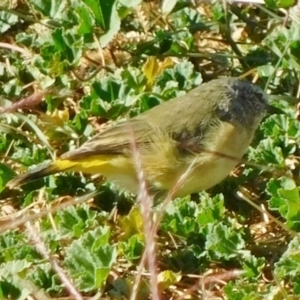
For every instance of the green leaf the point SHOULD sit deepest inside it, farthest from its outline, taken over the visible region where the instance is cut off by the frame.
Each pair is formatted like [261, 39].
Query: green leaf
[9, 291]
[68, 44]
[286, 3]
[45, 278]
[183, 74]
[107, 89]
[133, 247]
[101, 10]
[7, 20]
[211, 209]
[74, 221]
[86, 20]
[6, 174]
[107, 17]
[14, 247]
[267, 152]
[13, 267]
[244, 290]
[89, 259]
[53, 8]
[253, 266]
[100, 276]
[224, 242]
[181, 219]
[285, 198]
[132, 223]
[288, 266]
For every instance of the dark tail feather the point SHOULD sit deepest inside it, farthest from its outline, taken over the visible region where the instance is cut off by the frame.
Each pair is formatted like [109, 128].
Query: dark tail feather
[39, 172]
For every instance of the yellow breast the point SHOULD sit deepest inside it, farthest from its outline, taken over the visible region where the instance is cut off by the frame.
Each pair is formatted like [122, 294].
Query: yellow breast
[224, 147]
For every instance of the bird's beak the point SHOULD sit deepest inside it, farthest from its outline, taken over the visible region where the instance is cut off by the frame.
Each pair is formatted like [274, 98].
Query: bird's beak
[274, 110]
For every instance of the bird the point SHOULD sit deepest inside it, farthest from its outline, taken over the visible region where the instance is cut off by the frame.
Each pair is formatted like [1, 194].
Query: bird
[204, 132]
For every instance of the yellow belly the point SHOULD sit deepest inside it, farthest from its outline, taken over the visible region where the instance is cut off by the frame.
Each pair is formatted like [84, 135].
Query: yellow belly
[224, 146]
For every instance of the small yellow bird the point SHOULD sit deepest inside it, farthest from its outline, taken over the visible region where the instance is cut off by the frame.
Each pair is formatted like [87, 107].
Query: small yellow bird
[206, 131]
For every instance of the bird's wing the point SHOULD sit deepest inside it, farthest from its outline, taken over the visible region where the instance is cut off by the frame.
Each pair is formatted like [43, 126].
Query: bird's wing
[113, 141]
[118, 140]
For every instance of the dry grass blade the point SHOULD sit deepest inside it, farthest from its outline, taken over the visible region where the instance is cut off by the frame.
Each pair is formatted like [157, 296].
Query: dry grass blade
[146, 203]
[24, 103]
